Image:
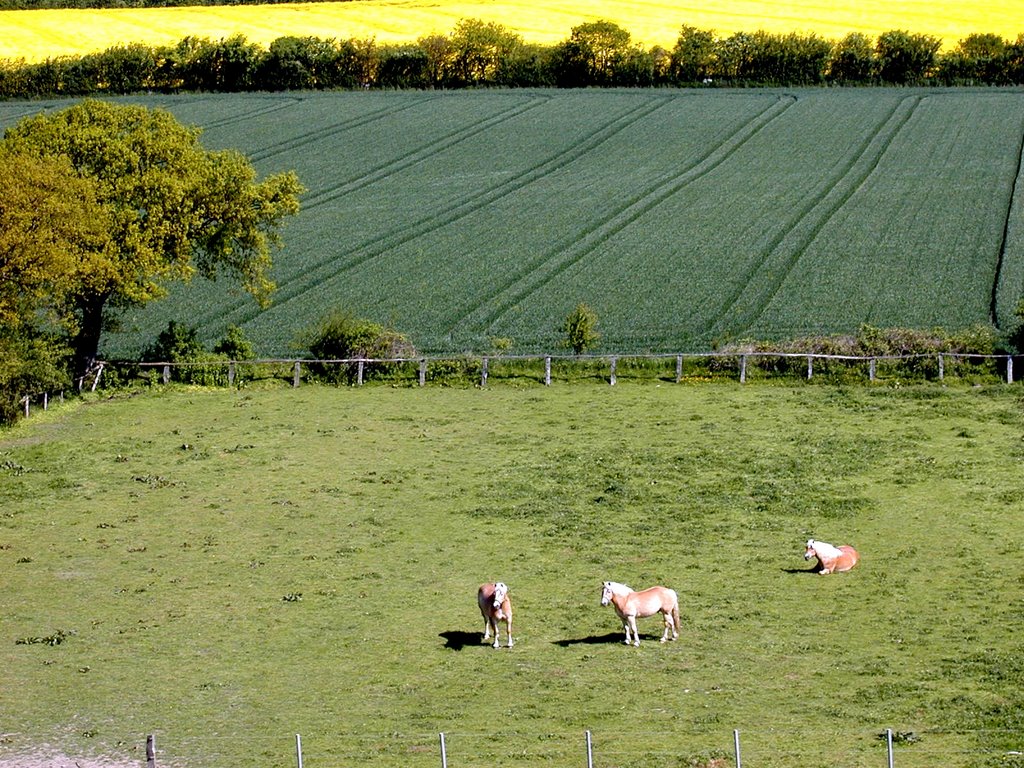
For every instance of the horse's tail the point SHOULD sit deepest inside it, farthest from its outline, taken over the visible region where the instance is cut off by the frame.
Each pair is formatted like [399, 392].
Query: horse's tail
[675, 613]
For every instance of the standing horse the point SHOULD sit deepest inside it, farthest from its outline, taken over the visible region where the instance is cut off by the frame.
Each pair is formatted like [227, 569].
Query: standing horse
[629, 605]
[831, 559]
[495, 606]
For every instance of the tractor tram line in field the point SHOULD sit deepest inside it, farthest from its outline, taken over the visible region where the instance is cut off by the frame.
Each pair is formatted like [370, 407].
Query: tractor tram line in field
[459, 208]
[305, 139]
[420, 154]
[1014, 203]
[568, 254]
[763, 280]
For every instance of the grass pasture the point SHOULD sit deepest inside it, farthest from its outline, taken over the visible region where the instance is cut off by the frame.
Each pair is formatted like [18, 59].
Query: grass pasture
[684, 218]
[41, 34]
[230, 568]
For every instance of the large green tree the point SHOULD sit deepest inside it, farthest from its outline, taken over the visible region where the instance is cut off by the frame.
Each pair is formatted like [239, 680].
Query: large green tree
[51, 227]
[170, 208]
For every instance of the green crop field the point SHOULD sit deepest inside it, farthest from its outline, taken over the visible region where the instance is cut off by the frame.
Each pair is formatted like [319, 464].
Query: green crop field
[684, 218]
[226, 569]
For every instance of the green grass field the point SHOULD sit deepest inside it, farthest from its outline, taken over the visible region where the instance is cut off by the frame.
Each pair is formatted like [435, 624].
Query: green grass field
[230, 568]
[683, 218]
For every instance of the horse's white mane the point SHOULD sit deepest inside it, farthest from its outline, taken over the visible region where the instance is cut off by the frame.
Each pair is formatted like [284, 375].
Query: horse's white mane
[823, 548]
[617, 588]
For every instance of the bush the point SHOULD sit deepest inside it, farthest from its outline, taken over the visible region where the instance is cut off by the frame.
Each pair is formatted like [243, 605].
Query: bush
[580, 329]
[342, 336]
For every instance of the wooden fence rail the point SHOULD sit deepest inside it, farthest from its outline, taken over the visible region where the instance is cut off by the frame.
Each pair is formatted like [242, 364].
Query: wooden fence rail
[1002, 363]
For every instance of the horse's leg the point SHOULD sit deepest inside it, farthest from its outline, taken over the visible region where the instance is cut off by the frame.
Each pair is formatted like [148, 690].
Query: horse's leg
[666, 615]
[487, 627]
[636, 634]
[508, 629]
[497, 632]
[625, 626]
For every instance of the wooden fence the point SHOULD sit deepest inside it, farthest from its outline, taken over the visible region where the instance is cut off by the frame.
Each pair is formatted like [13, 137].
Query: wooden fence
[1001, 365]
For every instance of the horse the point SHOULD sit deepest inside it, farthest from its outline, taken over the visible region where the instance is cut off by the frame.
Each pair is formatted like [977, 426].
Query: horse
[495, 606]
[831, 559]
[629, 605]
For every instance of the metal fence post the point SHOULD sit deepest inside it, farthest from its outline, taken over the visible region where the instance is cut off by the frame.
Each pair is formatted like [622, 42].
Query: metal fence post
[1009, 370]
[298, 749]
[444, 752]
[590, 751]
[736, 747]
[743, 369]
[547, 371]
[679, 368]
[151, 751]
[359, 372]
[888, 744]
[483, 372]
[611, 376]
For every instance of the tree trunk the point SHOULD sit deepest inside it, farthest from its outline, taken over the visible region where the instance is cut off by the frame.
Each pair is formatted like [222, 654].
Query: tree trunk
[87, 342]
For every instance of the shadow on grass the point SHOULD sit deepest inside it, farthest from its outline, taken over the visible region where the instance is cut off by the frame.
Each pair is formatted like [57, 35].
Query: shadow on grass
[456, 640]
[610, 637]
[813, 569]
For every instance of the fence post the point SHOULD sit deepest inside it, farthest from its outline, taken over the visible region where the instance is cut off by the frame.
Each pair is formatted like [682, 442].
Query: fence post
[611, 377]
[26, 400]
[736, 747]
[743, 369]
[444, 752]
[297, 374]
[871, 370]
[231, 373]
[359, 372]
[1009, 372]
[679, 368]
[483, 372]
[167, 374]
[46, 400]
[423, 382]
[298, 749]
[888, 744]
[590, 751]
[810, 367]
[547, 371]
[151, 751]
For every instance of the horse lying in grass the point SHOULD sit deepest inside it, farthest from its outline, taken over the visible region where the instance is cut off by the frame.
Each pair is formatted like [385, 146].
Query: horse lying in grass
[495, 606]
[831, 559]
[630, 605]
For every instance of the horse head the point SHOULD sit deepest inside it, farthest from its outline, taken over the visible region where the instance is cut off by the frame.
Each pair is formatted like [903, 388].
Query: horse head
[500, 592]
[809, 550]
[606, 593]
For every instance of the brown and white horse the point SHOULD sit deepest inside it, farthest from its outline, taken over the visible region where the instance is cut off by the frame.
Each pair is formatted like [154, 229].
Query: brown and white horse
[495, 606]
[831, 559]
[630, 605]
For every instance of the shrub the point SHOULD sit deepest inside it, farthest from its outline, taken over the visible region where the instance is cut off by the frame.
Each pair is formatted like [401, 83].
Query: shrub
[342, 336]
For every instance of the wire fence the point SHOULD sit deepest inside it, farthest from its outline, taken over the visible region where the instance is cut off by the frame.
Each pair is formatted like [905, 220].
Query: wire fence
[768, 747]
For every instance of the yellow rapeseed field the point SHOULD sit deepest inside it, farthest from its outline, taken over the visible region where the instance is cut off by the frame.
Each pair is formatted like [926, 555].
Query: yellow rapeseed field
[36, 35]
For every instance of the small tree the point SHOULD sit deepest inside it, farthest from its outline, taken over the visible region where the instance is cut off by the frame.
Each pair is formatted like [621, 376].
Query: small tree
[580, 329]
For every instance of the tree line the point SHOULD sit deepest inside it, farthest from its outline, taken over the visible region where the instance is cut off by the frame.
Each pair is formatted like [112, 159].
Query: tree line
[486, 54]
